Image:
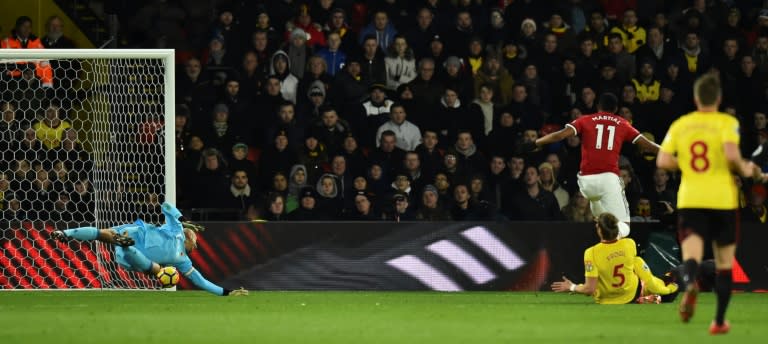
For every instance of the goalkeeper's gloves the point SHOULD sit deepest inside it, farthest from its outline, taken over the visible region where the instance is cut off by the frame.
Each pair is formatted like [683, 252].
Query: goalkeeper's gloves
[192, 226]
[237, 292]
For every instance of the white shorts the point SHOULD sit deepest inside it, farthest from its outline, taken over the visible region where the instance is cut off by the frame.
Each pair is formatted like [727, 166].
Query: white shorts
[605, 192]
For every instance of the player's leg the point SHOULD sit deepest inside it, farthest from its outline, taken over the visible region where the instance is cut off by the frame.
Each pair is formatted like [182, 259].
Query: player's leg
[724, 255]
[132, 259]
[614, 201]
[106, 235]
[724, 249]
[653, 285]
[590, 188]
[692, 225]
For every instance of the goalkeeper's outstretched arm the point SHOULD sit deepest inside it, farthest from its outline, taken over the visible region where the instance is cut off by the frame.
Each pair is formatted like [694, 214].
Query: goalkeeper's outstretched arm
[201, 282]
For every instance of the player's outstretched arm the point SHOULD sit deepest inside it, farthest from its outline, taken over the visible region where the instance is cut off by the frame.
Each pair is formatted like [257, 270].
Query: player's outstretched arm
[198, 280]
[557, 136]
[588, 288]
[647, 145]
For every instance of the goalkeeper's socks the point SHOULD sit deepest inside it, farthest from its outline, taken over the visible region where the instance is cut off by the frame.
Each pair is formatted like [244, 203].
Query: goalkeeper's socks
[723, 286]
[138, 260]
[690, 270]
[83, 233]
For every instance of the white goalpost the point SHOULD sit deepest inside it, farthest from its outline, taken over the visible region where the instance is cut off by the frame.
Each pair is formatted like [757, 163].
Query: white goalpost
[87, 138]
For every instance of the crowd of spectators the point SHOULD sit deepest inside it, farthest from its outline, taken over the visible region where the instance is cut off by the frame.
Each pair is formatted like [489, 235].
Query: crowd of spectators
[414, 110]
[45, 171]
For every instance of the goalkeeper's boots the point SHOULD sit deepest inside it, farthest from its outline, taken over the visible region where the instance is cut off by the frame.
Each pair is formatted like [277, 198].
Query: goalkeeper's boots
[60, 236]
[123, 240]
[688, 303]
[715, 329]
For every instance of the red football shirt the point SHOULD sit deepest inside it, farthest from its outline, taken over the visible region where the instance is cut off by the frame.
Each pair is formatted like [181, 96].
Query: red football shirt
[602, 135]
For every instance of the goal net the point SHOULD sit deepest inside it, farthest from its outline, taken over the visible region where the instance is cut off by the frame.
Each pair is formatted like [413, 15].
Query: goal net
[83, 144]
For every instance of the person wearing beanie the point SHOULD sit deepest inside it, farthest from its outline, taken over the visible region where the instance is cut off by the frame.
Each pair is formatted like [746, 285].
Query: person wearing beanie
[457, 77]
[529, 37]
[372, 114]
[298, 52]
[219, 132]
[307, 210]
[313, 155]
[364, 209]
[315, 97]
[304, 21]
[218, 54]
[430, 208]
[239, 161]
[280, 155]
[401, 209]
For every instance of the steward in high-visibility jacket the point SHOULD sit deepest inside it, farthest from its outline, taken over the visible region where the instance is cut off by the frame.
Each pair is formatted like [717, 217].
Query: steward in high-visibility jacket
[22, 38]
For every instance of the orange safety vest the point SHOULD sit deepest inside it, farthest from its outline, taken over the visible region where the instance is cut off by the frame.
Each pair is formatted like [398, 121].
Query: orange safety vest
[43, 69]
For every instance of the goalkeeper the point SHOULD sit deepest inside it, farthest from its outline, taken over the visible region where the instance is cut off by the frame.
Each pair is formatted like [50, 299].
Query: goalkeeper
[144, 247]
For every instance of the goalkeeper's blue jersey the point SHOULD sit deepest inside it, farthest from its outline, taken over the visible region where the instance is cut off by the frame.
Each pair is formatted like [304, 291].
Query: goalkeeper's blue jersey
[162, 244]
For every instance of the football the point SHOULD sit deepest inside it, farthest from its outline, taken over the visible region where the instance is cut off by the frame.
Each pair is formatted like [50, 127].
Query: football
[168, 276]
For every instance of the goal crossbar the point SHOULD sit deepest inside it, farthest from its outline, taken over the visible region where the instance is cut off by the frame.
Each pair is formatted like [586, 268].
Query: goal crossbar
[168, 55]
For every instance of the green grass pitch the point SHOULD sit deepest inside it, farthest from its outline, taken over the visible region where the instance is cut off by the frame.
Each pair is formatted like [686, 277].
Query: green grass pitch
[362, 317]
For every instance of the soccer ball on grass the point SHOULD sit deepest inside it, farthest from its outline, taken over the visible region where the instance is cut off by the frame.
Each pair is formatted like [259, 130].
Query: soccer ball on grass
[168, 276]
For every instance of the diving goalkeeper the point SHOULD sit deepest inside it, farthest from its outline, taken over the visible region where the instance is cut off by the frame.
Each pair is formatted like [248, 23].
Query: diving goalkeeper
[144, 247]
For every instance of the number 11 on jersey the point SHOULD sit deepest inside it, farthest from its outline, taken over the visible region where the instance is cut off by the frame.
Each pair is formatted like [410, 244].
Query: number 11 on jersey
[611, 134]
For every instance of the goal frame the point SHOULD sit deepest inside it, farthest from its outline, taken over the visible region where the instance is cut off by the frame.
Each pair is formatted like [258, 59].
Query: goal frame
[169, 86]
[169, 108]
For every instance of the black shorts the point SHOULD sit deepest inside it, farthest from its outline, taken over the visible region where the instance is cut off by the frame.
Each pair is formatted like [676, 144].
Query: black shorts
[720, 226]
[638, 292]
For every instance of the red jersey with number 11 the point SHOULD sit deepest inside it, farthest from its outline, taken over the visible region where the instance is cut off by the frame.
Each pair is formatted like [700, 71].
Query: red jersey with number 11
[602, 135]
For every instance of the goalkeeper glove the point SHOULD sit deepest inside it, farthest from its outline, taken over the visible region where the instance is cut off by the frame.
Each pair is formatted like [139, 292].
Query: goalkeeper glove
[193, 226]
[237, 292]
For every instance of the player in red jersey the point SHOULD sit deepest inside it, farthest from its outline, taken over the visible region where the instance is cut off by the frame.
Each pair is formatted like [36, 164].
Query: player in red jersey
[602, 135]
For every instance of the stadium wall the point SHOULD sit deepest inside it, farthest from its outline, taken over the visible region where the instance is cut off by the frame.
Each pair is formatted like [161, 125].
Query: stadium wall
[376, 256]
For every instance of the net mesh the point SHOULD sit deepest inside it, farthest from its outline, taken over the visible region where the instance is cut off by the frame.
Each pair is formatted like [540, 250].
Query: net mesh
[88, 151]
